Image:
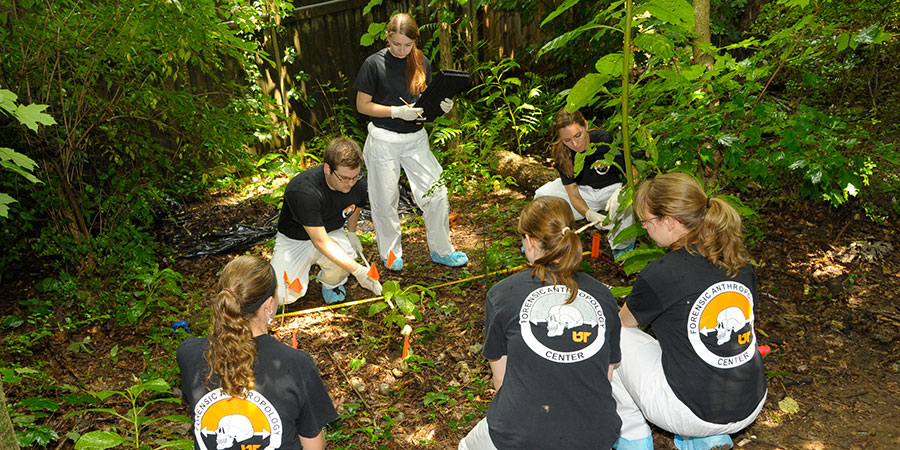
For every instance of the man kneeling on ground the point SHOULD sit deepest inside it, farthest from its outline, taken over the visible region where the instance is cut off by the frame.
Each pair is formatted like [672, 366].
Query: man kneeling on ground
[317, 204]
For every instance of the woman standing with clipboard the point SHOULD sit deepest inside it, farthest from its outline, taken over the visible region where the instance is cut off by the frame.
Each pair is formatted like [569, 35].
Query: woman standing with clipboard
[389, 81]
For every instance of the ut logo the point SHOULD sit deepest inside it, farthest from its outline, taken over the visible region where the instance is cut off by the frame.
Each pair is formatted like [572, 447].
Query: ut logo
[744, 338]
[250, 447]
[580, 336]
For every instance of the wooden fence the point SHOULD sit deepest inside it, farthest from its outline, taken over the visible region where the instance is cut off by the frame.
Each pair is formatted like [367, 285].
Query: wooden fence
[321, 42]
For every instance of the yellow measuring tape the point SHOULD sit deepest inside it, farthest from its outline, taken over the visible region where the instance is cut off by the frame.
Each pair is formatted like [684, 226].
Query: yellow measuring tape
[372, 299]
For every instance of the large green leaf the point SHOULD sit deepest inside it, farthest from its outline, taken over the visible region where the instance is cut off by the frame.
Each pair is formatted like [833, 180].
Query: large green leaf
[655, 44]
[559, 10]
[99, 440]
[32, 115]
[15, 168]
[585, 90]
[610, 65]
[8, 100]
[5, 200]
[632, 231]
[676, 12]
[17, 158]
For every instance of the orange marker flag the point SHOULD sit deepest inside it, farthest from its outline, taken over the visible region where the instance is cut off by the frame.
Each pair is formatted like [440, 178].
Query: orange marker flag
[294, 339]
[405, 353]
[391, 258]
[373, 273]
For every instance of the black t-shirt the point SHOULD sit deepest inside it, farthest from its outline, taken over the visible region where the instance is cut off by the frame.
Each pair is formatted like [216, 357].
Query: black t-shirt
[309, 201]
[383, 76]
[595, 173]
[555, 392]
[289, 399]
[704, 321]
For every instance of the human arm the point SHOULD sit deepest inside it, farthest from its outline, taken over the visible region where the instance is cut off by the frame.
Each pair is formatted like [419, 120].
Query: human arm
[353, 220]
[498, 371]
[365, 105]
[627, 318]
[575, 198]
[315, 443]
[330, 248]
[612, 367]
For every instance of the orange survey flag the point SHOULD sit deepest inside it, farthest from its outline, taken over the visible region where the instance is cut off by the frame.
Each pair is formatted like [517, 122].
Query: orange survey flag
[293, 285]
[373, 273]
[391, 258]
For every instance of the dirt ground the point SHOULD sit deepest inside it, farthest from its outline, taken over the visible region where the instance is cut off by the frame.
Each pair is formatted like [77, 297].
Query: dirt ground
[828, 310]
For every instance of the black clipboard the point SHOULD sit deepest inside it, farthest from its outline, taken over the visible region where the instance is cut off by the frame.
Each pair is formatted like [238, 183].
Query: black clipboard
[446, 84]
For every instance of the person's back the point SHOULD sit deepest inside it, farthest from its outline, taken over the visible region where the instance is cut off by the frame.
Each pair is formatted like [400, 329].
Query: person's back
[552, 338]
[555, 391]
[701, 376]
[245, 388]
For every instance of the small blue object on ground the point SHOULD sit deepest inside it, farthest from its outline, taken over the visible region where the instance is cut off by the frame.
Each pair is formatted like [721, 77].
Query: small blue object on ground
[180, 324]
[718, 442]
[335, 295]
[454, 259]
[396, 266]
[645, 443]
[621, 251]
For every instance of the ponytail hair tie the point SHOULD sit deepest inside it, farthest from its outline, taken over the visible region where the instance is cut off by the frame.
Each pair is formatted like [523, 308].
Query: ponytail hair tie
[232, 293]
[707, 202]
[566, 229]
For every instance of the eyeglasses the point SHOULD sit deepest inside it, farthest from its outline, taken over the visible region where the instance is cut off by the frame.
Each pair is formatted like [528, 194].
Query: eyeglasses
[648, 220]
[347, 179]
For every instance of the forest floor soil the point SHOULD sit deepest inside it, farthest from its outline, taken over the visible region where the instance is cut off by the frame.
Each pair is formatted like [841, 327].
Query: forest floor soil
[828, 309]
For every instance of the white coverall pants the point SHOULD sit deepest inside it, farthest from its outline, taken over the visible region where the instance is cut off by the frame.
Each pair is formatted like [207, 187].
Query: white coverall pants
[385, 152]
[642, 394]
[479, 438]
[596, 200]
[293, 258]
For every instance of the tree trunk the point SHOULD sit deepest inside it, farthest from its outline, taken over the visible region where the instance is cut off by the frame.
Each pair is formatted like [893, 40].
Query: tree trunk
[528, 173]
[701, 27]
[8, 439]
[445, 40]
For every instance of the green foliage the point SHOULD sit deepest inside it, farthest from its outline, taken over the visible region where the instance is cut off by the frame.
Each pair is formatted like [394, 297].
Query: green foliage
[159, 392]
[30, 116]
[129, 118]
[723, 120]
[509, 101]
[399, 304]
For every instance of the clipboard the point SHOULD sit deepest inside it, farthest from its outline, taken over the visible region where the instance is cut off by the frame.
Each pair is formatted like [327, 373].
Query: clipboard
[446, 84]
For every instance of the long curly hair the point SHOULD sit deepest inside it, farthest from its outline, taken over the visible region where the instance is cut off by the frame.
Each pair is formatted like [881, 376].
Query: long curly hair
[549, 220]
[232, 349]
[714, 226]
[562, 153]
[415, 68]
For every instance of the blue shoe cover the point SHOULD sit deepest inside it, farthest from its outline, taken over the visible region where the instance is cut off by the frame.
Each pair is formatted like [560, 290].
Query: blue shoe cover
[619, 252]
[644, 443]
[454, 259]
[396, 266]
[703, 443]
[335, 295]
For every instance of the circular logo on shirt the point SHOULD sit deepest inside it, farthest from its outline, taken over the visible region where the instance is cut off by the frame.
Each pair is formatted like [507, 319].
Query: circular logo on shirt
[224, 422]
[348, 210]
[560, 332]
[720, 325]
[600, 168]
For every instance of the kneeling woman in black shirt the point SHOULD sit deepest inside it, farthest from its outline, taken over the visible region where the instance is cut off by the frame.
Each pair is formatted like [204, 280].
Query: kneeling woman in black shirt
[245, 388]
[551, 335]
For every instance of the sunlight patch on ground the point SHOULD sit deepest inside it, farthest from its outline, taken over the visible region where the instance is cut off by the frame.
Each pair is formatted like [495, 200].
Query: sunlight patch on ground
[422, 435]
[815, 445]
[770, 420]
[311, 324]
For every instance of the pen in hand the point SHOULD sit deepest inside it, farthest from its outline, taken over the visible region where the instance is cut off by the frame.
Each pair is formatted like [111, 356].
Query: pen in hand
[407, 104]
